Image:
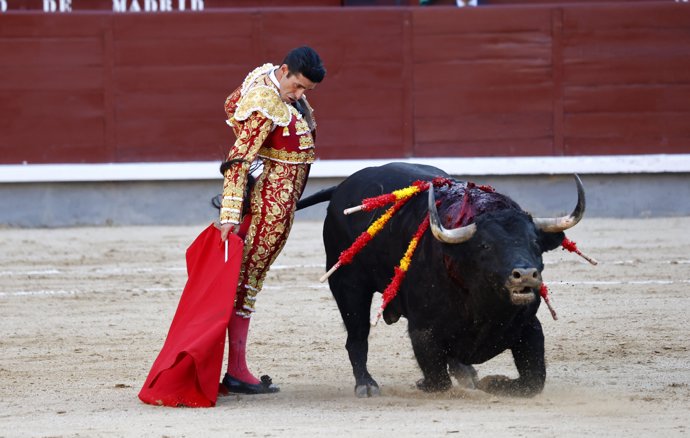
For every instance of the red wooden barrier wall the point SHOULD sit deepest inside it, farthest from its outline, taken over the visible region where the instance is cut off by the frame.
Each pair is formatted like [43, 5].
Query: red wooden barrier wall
[435, 81]
[81, 5]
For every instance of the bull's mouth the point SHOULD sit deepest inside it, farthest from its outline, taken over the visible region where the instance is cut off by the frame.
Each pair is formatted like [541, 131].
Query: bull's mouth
[522, 296]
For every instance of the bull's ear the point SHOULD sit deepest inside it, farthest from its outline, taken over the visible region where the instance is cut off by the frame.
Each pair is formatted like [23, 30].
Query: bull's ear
[549, 241]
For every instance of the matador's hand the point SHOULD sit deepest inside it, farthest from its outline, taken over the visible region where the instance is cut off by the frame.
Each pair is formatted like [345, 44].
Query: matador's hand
[226, 229]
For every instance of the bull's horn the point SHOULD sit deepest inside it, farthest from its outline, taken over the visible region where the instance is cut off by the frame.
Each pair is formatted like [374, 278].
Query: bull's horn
[456, 235]
[556, 224]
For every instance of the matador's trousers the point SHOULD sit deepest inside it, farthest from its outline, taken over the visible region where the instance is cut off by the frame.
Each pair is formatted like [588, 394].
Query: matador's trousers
[272, 202]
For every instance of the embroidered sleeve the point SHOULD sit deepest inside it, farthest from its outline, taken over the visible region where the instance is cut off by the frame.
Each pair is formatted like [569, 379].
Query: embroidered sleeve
[265, 100]
[251, 134]
[230, 108]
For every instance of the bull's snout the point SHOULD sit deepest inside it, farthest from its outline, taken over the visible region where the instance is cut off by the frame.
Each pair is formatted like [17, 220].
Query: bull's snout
[523, 285]
[526, 275]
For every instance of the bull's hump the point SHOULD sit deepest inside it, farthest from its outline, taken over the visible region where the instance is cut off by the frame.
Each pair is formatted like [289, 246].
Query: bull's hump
[379, 180]
[460, 205]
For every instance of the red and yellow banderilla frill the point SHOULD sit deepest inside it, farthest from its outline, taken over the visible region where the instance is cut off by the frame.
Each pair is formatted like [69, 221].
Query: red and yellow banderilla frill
[400, 197]
[400, 270]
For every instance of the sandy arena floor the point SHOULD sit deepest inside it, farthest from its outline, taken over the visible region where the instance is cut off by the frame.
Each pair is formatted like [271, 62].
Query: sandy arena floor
[84, 312]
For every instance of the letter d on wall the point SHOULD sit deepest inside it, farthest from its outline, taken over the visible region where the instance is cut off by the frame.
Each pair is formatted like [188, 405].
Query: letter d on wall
[52, 6]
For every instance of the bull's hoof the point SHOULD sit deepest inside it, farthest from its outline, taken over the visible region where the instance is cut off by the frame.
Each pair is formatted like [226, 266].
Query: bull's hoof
[502, 385]
[391, 316]
[370, 390]
[466, 375]
[427, 385]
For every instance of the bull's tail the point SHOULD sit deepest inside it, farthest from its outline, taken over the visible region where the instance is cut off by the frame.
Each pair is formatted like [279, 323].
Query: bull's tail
[317, 198]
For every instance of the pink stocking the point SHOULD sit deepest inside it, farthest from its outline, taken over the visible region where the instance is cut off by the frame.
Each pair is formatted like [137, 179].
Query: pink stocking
[237, 362]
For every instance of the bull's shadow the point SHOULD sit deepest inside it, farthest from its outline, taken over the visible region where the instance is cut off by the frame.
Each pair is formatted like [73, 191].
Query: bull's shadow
[472, 288]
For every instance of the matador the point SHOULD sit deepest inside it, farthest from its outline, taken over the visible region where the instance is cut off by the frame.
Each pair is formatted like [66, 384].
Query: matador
[274, 123]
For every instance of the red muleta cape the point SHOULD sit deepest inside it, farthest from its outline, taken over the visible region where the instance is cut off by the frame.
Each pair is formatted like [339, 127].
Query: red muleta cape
[187, 370]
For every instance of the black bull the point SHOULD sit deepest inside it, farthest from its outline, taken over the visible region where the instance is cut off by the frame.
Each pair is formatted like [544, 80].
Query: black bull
[472, 289]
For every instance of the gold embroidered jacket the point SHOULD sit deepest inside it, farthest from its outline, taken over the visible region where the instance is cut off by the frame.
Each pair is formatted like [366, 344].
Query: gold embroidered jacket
[265, 127]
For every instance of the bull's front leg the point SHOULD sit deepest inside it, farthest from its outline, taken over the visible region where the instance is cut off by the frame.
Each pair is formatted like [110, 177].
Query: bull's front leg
[528, 354]
[357, 346]
[354, 302]
[432, 360]
[354, 308]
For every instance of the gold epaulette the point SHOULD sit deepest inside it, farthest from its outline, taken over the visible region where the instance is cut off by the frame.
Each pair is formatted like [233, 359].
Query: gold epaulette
[265, 100]
[254, 75]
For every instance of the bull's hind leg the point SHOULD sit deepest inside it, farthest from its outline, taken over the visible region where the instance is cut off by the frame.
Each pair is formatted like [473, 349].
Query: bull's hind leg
[354, 304]
[528, 354]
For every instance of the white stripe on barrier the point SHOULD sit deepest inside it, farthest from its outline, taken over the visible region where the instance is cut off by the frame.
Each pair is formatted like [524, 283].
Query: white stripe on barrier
[208, 170]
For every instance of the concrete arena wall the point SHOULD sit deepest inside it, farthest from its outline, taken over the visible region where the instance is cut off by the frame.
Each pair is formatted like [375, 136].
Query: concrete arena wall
[188, 202]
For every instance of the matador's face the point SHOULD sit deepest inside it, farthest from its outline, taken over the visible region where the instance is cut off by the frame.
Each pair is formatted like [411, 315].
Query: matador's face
[292, 86]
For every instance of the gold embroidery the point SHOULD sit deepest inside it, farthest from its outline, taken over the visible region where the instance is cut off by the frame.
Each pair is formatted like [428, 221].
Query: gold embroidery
[306, 142]
[254, 75]
[228, 103]
[250, 137]
[287, 157]
[273, 202]
[265, 100]
[301, 127]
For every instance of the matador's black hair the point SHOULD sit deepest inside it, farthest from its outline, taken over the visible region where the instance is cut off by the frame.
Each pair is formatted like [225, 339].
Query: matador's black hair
[305, 60]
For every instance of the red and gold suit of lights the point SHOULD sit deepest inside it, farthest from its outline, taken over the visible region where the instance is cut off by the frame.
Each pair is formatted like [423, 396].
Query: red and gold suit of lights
[275, 132]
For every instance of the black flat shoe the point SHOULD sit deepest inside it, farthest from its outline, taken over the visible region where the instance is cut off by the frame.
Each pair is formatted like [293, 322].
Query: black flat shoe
[236, 386]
